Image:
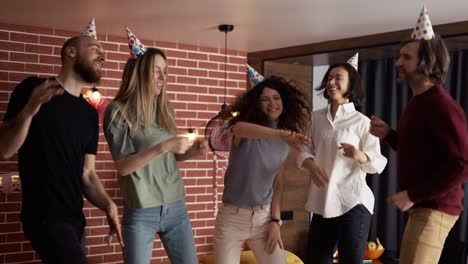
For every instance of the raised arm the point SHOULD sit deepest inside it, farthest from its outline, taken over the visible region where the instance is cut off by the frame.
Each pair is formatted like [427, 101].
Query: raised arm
[381, 130]
[249, 130]
[15, 128]
[138, 160]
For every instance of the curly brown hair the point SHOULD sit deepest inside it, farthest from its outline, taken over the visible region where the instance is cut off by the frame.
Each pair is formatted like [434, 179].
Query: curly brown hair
[296, 105]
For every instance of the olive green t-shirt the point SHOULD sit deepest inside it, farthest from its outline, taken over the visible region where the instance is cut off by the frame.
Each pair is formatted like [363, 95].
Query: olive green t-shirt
[157, 183]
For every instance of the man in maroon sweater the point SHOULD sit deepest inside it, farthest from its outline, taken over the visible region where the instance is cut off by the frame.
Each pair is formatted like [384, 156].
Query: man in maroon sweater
[432, 151]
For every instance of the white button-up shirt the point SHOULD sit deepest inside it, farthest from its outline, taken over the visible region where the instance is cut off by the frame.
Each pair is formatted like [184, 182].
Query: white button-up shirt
[347, 178]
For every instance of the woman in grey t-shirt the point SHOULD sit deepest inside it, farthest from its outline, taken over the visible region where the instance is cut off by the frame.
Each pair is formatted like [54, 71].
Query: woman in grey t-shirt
[271, 116]
[140, 128]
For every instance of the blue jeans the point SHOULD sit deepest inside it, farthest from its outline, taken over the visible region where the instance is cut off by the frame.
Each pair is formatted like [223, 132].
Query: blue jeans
[350, 231]
[170, 222]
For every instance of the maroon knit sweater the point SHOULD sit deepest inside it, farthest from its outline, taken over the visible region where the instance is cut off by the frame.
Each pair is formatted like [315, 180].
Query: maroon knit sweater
[432, 155]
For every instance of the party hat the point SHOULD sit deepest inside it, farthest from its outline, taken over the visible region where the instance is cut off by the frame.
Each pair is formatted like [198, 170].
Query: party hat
[90, 30]
[353, 61]
[137, 49]
[254, 76]
[423, 28]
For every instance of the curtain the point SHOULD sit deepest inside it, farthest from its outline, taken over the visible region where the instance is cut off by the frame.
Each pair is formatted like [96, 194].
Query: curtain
[386, 99]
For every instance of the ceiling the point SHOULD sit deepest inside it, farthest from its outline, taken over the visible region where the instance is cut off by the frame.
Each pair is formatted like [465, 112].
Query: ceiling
[259, 24]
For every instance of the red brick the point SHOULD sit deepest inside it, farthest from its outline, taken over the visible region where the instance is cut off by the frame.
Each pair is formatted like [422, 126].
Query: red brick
[96, 250]
[163, 45]
[187, 80]
[113, 74]
[111, 46]
[96, 259]
[209, 82]
[3, 55]
[187, 63]
[177, 71]
[187, 97]
[24, 37]
[11, 66]
[236, 76]
[49, 40]
[11, 46]
[195, 107]
[10, 247]
[18, 77]
[197, 89]
[185, 114]
[197, 73]
[39, 30]
[20, 257]
[65, 33]
[171, 62]
[14, 197]
[197, 56]
[4, 35]
[216, 58]
[233, 68]
[176, 88]
[187, 47]
[208, 65]
[10, 227]
[237, 60]
[39, 68]
[39, 49]
[117, 56]
[176, 54]
[45, 59]
[208, 98]
[118, 39]
[25, 57]
[216, 74]
[113, 257]
[209, 50]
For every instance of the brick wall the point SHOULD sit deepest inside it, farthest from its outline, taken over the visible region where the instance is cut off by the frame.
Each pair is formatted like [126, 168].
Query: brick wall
[196, 77]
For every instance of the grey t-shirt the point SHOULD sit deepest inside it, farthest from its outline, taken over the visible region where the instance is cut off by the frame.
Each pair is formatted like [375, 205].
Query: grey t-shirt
[253, 166]
[157, 183]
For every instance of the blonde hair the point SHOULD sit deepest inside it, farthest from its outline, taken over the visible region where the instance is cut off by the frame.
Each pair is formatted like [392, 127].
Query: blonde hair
[138, 106]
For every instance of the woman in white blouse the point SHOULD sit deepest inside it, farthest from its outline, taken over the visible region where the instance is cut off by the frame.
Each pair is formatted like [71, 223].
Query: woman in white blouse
[343, 152]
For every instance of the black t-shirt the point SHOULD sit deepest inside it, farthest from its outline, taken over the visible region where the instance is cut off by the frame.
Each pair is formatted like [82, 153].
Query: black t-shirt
[51, 159]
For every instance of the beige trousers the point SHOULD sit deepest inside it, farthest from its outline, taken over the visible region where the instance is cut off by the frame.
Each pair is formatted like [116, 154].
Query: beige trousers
[234, 225]
[424, 236]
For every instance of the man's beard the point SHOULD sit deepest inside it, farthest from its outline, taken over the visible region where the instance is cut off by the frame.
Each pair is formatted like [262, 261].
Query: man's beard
[86, 71]
[407, 77]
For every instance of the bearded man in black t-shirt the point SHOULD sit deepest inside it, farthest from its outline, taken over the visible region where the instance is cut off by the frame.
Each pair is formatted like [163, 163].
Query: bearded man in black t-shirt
[55, 132]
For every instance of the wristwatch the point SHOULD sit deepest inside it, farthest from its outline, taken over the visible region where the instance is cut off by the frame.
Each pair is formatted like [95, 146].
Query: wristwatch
[278, 221]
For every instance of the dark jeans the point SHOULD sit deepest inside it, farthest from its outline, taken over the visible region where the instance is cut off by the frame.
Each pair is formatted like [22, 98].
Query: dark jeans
[57, 242]
[350, 231]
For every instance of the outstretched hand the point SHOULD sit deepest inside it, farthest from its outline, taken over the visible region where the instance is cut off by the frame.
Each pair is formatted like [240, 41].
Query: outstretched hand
[351, 152]
[295, 140]
[176, 145]
[199, 147]
[378, 127]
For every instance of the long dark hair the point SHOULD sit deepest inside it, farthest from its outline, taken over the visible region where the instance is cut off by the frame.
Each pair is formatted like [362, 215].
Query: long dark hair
[296, 106]
[355, 93]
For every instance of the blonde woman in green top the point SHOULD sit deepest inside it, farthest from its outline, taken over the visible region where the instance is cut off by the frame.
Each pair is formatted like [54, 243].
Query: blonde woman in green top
[140, 128]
